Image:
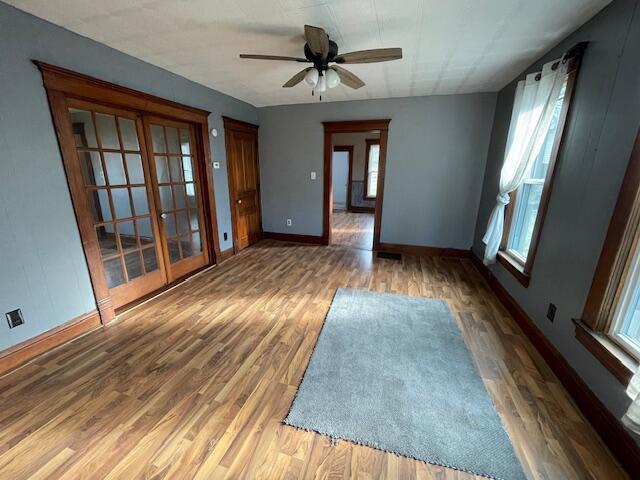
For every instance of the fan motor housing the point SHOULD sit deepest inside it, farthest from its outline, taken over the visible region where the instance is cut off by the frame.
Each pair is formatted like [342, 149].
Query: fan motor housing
[318, 62]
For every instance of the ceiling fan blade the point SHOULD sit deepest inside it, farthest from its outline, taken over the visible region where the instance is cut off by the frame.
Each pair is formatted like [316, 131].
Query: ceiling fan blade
[347, 78]
[273, 57]
[317, 39]
[297, 78]
[370, 56]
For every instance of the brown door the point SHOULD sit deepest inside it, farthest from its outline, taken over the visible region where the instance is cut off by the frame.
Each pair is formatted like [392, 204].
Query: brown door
[176, 184]
[244, 182]
[112, 163]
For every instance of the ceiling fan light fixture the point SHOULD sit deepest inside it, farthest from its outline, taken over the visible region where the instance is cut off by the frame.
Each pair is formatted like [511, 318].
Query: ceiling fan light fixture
[311, 78]
[333, 80]
[322, 84]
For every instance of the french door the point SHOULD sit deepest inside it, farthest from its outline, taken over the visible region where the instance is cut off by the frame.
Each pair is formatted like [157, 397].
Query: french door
[178, 195]
[140, 177]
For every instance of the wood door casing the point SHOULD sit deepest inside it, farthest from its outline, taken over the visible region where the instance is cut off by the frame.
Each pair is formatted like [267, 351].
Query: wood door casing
[241, 141]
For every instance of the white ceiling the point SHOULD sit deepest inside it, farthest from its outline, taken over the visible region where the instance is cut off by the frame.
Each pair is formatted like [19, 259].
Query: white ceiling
[449, 46]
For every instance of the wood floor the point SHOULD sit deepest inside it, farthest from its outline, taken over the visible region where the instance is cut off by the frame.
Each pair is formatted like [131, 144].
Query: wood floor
[353, 230]
[195, 383]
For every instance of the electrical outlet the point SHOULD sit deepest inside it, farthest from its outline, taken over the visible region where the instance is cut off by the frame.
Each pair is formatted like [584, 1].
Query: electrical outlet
[14, 318]
[551, 312]
[288, 222]
[225, 236]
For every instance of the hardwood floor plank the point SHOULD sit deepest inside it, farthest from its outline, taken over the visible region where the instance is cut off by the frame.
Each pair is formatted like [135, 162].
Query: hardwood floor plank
[196, 382]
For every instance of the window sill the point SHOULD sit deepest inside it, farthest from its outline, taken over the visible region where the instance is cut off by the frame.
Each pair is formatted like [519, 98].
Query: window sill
[615, 359]
[514, 268]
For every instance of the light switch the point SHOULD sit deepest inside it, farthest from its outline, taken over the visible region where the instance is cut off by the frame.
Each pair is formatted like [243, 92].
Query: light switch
[216, 165]
[313, 175]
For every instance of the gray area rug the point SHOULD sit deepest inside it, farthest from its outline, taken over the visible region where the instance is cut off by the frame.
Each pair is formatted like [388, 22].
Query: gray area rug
[393, 372]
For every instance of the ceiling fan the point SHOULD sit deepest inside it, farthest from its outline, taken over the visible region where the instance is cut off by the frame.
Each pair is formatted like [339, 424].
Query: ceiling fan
[321, 51]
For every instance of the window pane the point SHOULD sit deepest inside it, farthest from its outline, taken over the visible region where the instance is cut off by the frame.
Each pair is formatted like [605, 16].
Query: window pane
[184, 142]
[82, 126]
[140, 205]
[133, 264]
[524, 218]
[145, 233]
[183, 222]
[115, 168]
[134, 168]
[166, 198]
[372, 185]
[113, 270]
[121, 205]
[187, 251]
[188, 170]
[172, 140]
[129, 134]
[107, 131]
[99, 205]
[157, 137]
[175, 163]
[174, 250]
[162, 169]
[180, 196]
[197, 244]
[150, 260]
[107, 240]
[91, 168]
[169, 224]
[374, 155]
[127, 235]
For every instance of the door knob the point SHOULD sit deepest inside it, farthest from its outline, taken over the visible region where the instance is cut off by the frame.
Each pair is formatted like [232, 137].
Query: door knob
[163, 215]
[239, 202]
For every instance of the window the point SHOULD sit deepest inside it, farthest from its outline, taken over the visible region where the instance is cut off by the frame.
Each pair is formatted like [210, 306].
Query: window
[529, 195]
[526, 211]
[373, 157]
[610, 322]
[625, 324]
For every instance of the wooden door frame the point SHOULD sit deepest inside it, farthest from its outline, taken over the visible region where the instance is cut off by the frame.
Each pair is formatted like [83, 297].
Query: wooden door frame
[353, 126]
[231, 125]
[349, 150]
[61, 84]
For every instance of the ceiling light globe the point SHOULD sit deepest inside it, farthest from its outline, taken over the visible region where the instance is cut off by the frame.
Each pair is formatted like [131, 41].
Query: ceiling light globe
[333, 79]
[311, 78]
[322, 84]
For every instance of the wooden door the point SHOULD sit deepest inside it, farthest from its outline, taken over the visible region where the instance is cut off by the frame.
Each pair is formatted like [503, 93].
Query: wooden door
[176, 185]
[244, 182]
[111, 163]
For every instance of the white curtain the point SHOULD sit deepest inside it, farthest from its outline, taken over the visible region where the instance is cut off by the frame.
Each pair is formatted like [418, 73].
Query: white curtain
[533, 108]
[631, 419]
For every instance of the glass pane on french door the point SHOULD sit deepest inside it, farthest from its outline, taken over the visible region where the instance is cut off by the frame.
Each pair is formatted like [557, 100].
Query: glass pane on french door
[111, 166]
[178, 193]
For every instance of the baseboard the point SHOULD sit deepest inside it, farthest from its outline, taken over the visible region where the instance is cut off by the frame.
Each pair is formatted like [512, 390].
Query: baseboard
[610, 429]
[225, 255]
[362, 209]
[294, 237]
[421, 251]
[21, 353]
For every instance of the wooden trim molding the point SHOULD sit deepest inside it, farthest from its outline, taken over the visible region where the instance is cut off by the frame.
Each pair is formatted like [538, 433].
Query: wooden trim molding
[615, 359]
[226, 254]
[614, 256]
[330, 128]
[294, 237]
[421, 251]
[90, 88]
[513, 267]
[234, 124]
[605, 424]
[21, 353]
[349, 150]
[522, 272]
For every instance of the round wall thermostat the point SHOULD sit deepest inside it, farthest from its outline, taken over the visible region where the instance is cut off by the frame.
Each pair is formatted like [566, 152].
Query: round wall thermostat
[214, 132]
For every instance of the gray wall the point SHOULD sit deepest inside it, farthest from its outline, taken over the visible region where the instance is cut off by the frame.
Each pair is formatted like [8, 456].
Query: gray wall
[599, 136]
[435, 159]
[42, 265]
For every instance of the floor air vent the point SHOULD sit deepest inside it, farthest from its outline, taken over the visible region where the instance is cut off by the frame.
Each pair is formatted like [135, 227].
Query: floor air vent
[390, 255]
